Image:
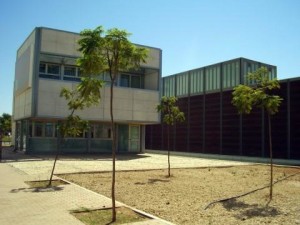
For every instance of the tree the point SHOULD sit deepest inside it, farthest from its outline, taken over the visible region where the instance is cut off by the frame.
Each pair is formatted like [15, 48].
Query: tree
[245, 97]
[171, 115]
[86, 94]
[5, 123]
[109, 52]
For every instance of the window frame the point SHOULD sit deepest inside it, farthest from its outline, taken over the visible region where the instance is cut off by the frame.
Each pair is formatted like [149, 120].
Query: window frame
[46, 74]
[76, 76]
[130, 80]
[103, 128]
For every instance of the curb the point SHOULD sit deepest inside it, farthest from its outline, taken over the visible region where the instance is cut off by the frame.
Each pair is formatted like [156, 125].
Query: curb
[145, 214]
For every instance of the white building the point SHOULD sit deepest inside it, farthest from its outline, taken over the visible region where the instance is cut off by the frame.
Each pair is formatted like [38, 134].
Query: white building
[46, 62]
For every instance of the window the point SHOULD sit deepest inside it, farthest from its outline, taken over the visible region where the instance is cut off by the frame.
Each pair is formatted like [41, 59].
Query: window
[169, 86]
[101, 131]
[49, 129]
[38, 129]
[212, 78]
[182, 84]
[231, 74]
[249, 67]
[50, 71]
[130, 80]
[272, 71]
[71, 73]
[125, 79]
[106, 78]
[30, 129]
[136, 82]
[196, 85]
[42, 68]
[42, 129]
[53, 69]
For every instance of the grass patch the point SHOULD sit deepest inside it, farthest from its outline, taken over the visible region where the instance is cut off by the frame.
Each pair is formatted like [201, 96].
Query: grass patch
[103, 216]
[44, 183]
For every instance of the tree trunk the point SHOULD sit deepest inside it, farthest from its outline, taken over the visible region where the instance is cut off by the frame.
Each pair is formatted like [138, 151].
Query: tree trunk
[54, 164]
[271, 157]
[53, 168]
[113, 153]
[169, 166]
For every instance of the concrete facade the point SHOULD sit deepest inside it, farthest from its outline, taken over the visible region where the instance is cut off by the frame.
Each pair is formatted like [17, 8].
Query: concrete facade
[46, 62]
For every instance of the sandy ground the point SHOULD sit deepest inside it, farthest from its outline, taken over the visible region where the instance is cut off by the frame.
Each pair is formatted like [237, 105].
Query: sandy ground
[182, 198]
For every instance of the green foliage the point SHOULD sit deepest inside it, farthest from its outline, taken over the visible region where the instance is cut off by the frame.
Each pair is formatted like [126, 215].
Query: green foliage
[6, 139]
[5, 123]
[89, 90]
[108, 51]
[257, 95]
[86, 94]
[93, 61]
[171, 112]
[73, 126]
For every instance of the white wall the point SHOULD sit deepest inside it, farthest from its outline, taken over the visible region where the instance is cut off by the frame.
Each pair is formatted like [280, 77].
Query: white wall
[23, 79]
[153, 59]
[130, 105]
[152, 80]
[22, 105]
[59, 42]
[65, 43]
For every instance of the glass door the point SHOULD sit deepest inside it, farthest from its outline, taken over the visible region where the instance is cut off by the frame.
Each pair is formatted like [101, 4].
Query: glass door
[123, 137]
[134, 138]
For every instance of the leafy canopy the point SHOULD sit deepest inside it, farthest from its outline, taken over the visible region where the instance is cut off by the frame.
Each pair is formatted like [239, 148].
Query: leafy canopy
[86, 94]
[257, 95]
[108, 51]
[171, 112]
[5, 123]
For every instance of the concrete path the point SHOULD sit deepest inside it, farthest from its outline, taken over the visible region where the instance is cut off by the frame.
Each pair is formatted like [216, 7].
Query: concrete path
[28, 206]
[41, 167]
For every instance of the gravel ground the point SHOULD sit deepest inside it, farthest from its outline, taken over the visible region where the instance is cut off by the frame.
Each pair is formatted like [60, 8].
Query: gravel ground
[182, 198]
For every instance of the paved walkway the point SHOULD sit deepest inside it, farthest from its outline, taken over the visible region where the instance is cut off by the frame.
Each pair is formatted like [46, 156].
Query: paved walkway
[28, 206]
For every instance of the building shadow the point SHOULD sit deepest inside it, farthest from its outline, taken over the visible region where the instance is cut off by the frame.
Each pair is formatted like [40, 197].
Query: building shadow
[94, 157]
[9, 155]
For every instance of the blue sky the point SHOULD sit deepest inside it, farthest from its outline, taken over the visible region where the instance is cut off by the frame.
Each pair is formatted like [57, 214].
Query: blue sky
[191, 33]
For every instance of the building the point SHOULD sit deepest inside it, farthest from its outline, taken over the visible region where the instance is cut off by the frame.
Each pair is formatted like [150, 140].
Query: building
[213, 125]
[45, 63]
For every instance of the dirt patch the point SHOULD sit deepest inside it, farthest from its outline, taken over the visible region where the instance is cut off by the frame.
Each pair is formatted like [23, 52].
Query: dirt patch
[103, 216]
[182, 198]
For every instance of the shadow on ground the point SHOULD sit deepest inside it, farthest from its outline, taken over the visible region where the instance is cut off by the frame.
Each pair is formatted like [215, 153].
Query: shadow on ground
[97, 157]
[248, 211]
[152, 181]
[9, 155]
[37, 190]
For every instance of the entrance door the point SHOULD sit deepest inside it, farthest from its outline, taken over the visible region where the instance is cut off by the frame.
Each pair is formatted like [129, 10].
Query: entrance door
[128, 138]
[134, 138]
[123, 137]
